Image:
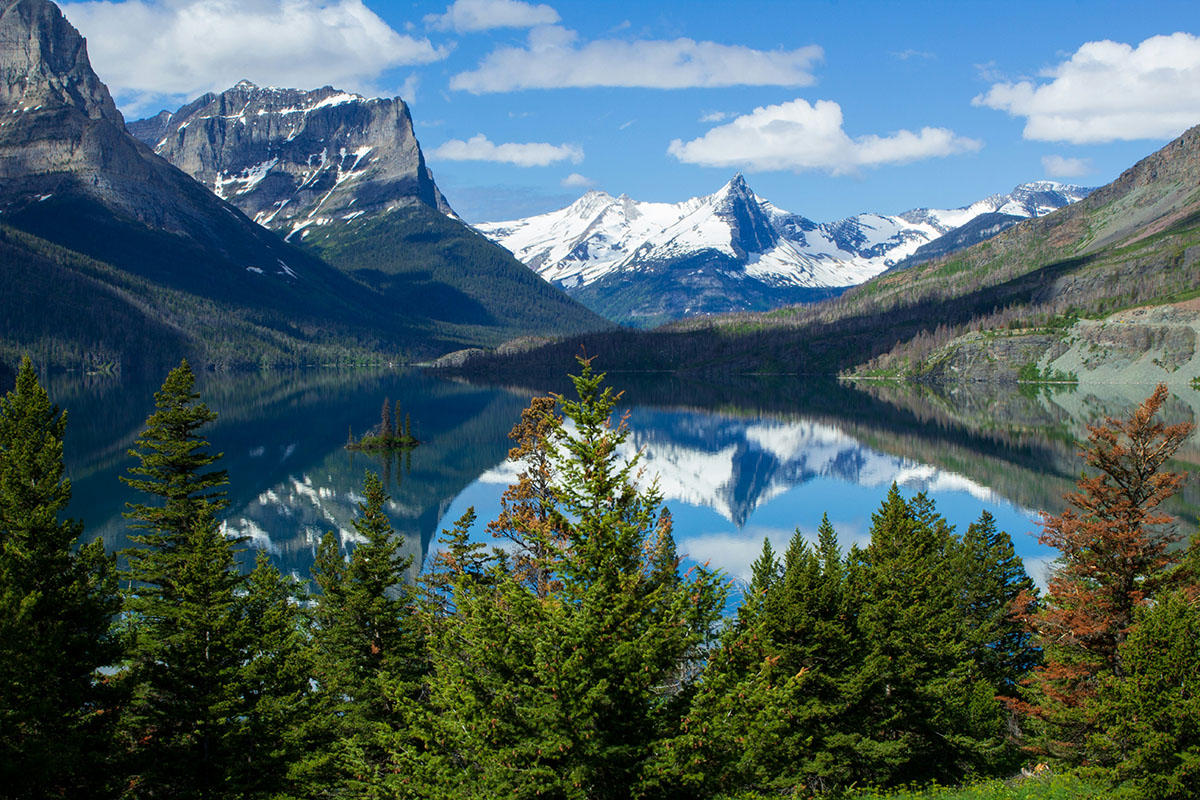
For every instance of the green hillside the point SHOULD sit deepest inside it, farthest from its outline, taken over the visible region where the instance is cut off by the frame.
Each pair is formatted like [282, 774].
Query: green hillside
[433, 268]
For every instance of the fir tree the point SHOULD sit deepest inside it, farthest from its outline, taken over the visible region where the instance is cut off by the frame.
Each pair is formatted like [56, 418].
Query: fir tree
[368, 653]
[386, 430]
[56, 607]
[566, 693]
[185, 723]
[1149, 717]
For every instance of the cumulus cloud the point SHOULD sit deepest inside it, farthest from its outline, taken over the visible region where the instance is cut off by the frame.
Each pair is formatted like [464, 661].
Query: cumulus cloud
[553, 59]
[188, 47]
[529, 154]
[577, 181]
[468, 16]
[1063, 167]
[797, 136]
[1108, 91]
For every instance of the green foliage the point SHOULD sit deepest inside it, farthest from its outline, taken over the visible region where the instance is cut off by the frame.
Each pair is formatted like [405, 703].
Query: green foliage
[568, 692]
[56, 605]
[1149, 718]
[211, 673]
[877, 667]
[367, 653]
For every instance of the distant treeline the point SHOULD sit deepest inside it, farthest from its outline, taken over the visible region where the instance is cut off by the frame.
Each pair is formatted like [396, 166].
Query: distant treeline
[576, 659]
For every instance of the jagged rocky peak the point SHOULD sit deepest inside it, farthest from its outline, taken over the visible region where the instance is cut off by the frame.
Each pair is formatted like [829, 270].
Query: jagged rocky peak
[292, 158]
[44, 63]
[738, 206]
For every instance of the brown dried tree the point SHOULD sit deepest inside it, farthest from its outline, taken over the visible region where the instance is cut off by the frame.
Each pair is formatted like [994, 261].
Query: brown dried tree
[1115, 547]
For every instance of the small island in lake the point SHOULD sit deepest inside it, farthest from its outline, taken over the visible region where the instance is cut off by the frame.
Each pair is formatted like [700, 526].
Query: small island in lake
[389, 436]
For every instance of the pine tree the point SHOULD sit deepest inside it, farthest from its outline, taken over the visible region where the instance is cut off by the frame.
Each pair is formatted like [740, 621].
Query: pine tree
[386, 430]
[275, 680]
[368, 652]
[56, 607]
[920, 712]
[1114, 546]
[994, 590]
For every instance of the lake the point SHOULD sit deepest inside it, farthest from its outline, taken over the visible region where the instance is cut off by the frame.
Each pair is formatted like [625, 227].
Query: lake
[737, 460]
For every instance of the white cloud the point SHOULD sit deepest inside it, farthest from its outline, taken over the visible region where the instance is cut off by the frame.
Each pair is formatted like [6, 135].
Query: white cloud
[530, 154]
[188, 47]
[466, 16]
[1063, 167]
[1108, 91]
[797, 136]
[577, 181]
[715, 116]
[553, 59]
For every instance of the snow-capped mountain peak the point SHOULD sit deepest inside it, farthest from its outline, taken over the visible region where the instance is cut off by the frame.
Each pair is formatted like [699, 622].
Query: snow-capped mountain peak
[736, 238]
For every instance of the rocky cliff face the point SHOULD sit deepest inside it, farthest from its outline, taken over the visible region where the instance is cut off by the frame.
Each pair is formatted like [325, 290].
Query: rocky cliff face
[291, 159]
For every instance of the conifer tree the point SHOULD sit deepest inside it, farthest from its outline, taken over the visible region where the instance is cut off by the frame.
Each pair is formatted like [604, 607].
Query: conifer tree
[1149, 717]
[386, 429]
[368, 652]
[56, 607]
[1114, 545]
[994, 590]
[565, 694]
[185, 722]
[921, 714]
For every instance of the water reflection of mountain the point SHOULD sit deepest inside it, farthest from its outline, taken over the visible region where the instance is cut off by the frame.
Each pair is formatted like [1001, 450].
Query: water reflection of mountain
[1022, 445]
[730, 446]
[735, 464]
[283, 436]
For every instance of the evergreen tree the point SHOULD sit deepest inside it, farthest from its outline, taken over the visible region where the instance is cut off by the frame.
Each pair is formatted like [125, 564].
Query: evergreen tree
[994, 590]
[566, 693]
[1149, 716]
[56, 607]
[275, 680]
[919, 711]
[1115, 554]
[185, 724]
[368, 652]
[386, 429]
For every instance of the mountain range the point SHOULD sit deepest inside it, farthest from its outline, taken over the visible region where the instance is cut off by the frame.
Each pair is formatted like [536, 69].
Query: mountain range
[112, 257]
[645, 263]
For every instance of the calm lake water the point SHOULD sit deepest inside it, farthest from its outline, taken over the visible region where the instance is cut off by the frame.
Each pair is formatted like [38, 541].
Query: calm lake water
[736, 462]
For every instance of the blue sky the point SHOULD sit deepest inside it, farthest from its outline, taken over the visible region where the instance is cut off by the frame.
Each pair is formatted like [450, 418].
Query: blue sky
[829, 108]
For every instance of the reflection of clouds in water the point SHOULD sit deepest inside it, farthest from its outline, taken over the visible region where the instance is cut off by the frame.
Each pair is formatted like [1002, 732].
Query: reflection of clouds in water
[1040, 568]
[734, 553]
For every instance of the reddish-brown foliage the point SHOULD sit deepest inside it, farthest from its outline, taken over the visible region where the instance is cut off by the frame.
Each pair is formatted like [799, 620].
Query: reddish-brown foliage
[1114, 545]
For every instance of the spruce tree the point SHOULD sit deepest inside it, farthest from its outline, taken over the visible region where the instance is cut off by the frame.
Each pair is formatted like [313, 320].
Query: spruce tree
[1116, 553]
[1148, 718]
[56, 607]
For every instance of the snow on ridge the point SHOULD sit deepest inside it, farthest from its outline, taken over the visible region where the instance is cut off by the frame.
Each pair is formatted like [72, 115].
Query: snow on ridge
[598, 235]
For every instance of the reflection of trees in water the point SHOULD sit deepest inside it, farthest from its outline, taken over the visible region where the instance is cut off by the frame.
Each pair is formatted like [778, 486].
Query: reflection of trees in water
[283, 436]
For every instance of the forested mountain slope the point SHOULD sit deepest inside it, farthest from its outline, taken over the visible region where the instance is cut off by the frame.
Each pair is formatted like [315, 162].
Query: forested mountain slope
[344, 178]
